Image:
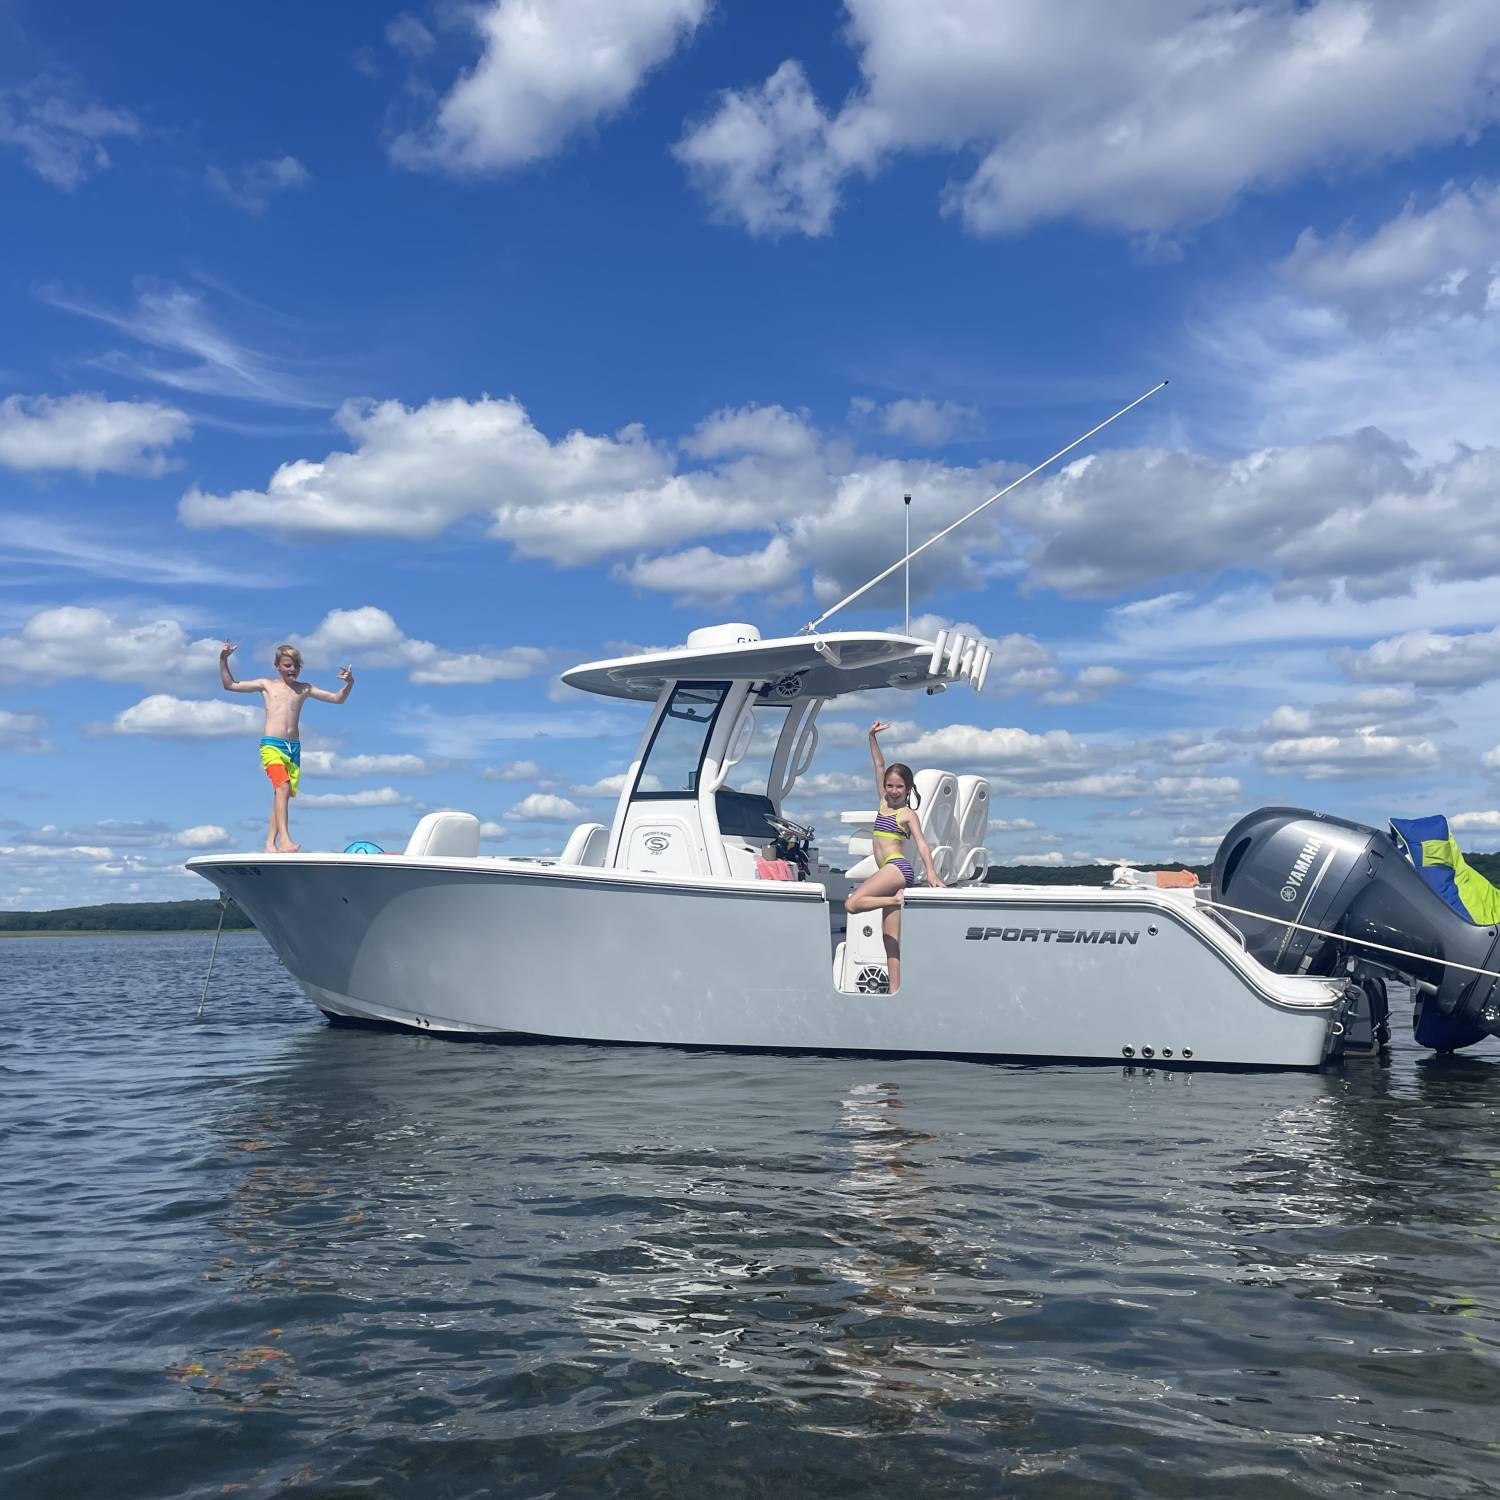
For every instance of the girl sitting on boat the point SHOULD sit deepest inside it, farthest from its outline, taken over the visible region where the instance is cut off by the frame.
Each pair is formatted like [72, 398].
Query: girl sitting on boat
[895, 824]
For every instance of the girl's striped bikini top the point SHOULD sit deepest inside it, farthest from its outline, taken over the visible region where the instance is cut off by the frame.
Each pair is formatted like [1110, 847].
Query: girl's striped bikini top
[888, 826]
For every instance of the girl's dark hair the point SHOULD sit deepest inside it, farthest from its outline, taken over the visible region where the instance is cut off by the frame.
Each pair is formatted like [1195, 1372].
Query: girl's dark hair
[904, 772]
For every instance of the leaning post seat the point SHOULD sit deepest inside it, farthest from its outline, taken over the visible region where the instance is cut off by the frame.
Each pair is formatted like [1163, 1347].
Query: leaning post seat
[973, 828]
[445, 835]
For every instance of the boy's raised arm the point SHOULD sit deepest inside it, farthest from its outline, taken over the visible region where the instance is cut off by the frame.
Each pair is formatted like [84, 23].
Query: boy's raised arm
[228, 678]
[346, 676]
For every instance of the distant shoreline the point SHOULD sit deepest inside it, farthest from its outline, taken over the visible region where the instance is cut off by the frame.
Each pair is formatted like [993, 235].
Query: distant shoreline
[80, 932]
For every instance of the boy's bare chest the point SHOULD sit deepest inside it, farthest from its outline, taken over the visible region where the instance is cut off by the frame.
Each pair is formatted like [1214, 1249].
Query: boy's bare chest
[279, 695]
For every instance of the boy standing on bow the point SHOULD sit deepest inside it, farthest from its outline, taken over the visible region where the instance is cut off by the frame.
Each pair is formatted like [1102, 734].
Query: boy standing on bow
[280, 748]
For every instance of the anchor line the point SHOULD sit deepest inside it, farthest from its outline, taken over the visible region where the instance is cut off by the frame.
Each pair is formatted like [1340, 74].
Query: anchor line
[864, 588]
[1343, 937]
[213, 954]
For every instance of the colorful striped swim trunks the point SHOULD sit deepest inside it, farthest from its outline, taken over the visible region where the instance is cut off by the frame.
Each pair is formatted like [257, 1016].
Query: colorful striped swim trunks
[282, 761]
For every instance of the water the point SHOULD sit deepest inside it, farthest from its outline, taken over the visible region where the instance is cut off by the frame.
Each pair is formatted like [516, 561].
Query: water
[260, 1255]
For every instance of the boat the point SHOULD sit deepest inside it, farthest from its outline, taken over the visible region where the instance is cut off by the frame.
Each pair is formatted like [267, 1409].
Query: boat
[661, 927]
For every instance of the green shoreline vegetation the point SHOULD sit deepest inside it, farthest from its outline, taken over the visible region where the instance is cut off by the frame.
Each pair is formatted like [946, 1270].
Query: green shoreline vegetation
[125, 916]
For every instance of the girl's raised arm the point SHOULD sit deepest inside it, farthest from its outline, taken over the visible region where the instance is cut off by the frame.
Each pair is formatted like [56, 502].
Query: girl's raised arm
[879, 760]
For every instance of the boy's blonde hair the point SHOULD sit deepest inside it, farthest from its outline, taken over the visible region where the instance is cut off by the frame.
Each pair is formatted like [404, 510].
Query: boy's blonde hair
[287, 650]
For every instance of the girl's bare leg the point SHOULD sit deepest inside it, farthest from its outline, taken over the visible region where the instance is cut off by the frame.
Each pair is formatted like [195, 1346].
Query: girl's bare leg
[890, 930]
[885, 888]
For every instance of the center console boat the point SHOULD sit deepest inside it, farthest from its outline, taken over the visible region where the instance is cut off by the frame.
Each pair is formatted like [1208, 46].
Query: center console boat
[661, 926]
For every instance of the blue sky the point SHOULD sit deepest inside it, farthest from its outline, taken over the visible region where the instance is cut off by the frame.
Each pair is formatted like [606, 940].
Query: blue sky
[466, 342]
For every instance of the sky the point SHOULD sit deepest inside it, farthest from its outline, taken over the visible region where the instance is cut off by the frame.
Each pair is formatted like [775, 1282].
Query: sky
[467, 342]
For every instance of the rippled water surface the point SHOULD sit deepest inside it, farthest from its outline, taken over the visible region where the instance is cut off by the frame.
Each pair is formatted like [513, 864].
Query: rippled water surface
[261, 1253]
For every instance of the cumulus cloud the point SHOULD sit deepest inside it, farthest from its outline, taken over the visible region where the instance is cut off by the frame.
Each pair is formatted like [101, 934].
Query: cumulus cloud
[375, 638]
[164, 717]
[545, 74]
[545, 807]
[699, 575]
[202, 836]
[251, 188]
[1112, 114]
[73, 641]
[772, 431]
[60, 136]
[924, 422]
[1430, 658]
[1088, 685]
[385, 796]
[968, 747]
[1475, 822]
[1440, 262]
[586, 498]
[23, 732]
[1327, 757]
[516, 770]
[89, 434]
[344, 767]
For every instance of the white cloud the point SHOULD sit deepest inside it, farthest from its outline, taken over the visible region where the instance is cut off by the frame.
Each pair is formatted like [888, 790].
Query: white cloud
[385, 796]
[516, 770]
[164, 717]
[546, 73]
[1472, 822]
[371, 635]
[343, 767]
[88, 433]
[173, 321]
[1327, 757]
[768, 430]
[251, 188]
[1178, 792]
[492, 831]
[1010, 750]
[1012, 825]
[1052, 857]
[73, 641]
[407, 34]
[701, 576]
[23, 732]
[203, 836]
[1143, 118]
[1444, 262]
[38, 541]
[544, 807]
[61, 138]
[1426, 657]
[1089, 685]
[612, 786]
[922, 421]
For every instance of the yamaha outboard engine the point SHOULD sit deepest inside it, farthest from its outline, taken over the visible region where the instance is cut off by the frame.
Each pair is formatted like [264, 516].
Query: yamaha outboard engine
[1353, 882]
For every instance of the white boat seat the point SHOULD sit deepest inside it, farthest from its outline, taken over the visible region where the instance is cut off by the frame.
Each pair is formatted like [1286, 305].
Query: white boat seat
[973, 826]
[445, 835]
[587, 845]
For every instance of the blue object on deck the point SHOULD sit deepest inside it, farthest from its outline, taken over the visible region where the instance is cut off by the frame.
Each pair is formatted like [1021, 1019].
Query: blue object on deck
[363, 846]
[1412, 833]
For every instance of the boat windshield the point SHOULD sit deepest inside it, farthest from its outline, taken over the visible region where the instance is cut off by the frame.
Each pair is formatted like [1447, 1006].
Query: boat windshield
[675, 756]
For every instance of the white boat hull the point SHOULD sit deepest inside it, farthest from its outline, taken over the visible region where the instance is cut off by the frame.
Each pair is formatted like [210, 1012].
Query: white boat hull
[510, 948]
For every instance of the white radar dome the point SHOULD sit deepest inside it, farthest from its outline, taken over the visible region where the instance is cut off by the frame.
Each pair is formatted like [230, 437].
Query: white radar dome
[722, 635]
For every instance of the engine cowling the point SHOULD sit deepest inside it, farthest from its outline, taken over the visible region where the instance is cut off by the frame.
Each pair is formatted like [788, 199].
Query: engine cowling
[1288, 865]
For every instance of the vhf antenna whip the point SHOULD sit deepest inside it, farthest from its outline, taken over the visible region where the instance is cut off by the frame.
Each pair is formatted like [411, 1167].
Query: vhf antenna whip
[864, 588]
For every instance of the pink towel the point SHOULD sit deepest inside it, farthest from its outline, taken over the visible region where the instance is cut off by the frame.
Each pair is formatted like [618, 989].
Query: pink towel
[772, 869]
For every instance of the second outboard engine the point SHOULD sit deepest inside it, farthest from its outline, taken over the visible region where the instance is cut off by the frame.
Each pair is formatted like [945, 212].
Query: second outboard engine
[1353, 881]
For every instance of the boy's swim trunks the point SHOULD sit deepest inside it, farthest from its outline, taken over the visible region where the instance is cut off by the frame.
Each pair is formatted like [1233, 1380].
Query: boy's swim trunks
[282, 760]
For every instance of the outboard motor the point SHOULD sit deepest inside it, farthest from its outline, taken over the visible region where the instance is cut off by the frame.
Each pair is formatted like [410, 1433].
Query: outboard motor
[1352, 881]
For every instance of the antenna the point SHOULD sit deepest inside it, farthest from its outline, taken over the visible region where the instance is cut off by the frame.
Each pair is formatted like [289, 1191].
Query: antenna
[864, 588]
[907, 508]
